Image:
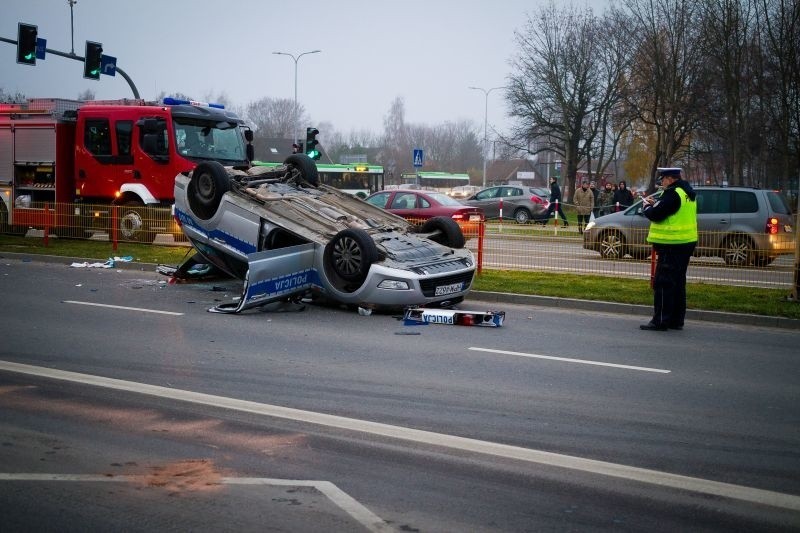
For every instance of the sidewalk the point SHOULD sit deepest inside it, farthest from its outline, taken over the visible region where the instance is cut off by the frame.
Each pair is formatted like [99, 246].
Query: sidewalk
[509, 298]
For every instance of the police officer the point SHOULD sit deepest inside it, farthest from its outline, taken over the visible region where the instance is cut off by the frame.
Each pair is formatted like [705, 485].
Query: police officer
[673, 234]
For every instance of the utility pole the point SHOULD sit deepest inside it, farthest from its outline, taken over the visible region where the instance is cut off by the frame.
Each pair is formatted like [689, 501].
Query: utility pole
[72, 25]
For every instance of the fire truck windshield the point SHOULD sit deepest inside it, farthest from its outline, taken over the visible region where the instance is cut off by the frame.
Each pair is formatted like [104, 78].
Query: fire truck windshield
[203, 140]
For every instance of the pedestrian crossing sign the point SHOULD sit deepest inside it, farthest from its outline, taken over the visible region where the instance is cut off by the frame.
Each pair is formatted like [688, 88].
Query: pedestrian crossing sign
[418, 157]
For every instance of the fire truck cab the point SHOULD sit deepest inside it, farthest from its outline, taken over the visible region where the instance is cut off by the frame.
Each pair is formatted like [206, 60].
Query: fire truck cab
[66, 163]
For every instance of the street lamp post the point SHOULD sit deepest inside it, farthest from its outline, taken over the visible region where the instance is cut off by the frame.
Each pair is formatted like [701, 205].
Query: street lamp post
[485, 125]
[296, 59]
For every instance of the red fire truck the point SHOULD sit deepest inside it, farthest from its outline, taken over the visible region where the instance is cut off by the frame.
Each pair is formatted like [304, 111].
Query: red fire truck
[64, 164]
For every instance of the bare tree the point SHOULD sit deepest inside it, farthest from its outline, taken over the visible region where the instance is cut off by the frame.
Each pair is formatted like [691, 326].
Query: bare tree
[727, 30]
[12, 98]
[556, 86]
[86, 95]
[273, 117]
[779, 25]
[396, 156]
[667, 74]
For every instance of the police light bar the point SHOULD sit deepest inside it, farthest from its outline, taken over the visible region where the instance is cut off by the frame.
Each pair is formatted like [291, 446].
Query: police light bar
[177, 101]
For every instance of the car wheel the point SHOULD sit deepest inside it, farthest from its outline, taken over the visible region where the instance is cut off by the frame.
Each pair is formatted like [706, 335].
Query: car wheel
[522, 216]
[641, 253]
[738, 251]
[764, 260]
[350, 254]
[209, 182]
[133, 224]
[305, 166]
[445, 231]
[612, 245]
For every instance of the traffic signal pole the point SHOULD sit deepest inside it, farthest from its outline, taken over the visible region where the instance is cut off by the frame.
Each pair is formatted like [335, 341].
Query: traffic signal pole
[82, 59]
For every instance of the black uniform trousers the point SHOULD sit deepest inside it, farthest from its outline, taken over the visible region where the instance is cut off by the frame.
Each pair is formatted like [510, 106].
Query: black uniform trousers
[669, 286]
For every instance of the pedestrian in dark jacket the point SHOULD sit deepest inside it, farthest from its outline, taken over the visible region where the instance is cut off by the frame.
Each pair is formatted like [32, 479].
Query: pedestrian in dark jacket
[623, 196]
[673, 234]
[555, 201]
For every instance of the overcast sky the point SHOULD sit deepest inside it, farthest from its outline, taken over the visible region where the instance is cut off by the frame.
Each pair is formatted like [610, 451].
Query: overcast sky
[427, 52]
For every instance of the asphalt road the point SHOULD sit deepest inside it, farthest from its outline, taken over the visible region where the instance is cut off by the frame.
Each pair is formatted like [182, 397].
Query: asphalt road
[126, 405]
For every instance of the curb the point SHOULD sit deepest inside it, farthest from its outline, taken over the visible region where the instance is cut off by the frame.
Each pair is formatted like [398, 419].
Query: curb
[509, 298]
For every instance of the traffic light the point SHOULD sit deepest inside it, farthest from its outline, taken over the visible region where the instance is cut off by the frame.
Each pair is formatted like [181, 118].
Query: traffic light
[91, 63]
[26, 44]
[311, 143]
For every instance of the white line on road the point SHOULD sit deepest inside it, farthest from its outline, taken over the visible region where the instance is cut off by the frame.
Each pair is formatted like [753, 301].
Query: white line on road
[569, 360]
[643, 475]
[140, 309]
[340, 498]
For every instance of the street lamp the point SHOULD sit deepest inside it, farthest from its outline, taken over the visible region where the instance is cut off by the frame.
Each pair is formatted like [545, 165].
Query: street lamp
[485, 123]
[296, 59]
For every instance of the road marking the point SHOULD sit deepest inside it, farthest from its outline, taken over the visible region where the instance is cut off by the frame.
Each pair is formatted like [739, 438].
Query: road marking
[340, 498]
[124, 308]
[569, 360]
[631, 473]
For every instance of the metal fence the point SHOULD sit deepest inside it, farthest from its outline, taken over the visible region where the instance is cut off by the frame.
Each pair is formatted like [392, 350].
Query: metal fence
[118, 223]
[555, 248]
[496, 244]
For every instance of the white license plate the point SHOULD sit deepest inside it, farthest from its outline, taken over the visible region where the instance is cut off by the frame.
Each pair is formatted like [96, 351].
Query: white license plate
[448, 289]
[474, 218]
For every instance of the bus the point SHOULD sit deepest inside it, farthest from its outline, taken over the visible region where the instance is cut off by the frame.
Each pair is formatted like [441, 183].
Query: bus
[358, 179]
[436, 181]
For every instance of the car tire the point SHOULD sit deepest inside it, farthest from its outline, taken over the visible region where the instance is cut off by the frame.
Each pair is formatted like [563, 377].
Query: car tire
[522, 216]
[612, 245]
[764, 260]
[208, 184]
[445, 231]
[738, 251]
[350, 254]
[133, 224]
[306, 166]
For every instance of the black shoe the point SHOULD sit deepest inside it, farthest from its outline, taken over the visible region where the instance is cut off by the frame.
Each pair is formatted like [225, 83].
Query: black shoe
[676, 326]
[653, 327]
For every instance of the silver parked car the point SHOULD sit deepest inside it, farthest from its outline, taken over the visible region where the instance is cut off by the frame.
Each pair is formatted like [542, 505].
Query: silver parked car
[742, 225]
[284, 234]
[519, 203]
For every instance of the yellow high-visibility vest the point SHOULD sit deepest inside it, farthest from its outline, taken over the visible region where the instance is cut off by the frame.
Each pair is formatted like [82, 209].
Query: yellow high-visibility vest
[678, 228]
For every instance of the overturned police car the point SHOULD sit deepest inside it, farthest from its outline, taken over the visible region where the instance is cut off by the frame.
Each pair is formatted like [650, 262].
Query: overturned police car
[285, 235]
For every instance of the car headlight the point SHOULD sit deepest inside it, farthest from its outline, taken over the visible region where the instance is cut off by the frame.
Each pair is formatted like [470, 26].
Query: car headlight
[393, 284]
[590, 225]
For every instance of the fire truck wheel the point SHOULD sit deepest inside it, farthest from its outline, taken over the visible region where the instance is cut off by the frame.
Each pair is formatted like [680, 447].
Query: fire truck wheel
[444, 230]
[208, 184]
[5, 227]
[349, 256]
[133, 223]
[306, 166]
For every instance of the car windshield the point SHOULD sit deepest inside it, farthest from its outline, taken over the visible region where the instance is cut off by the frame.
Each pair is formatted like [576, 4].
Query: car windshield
[209, 140]
[444, 199]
